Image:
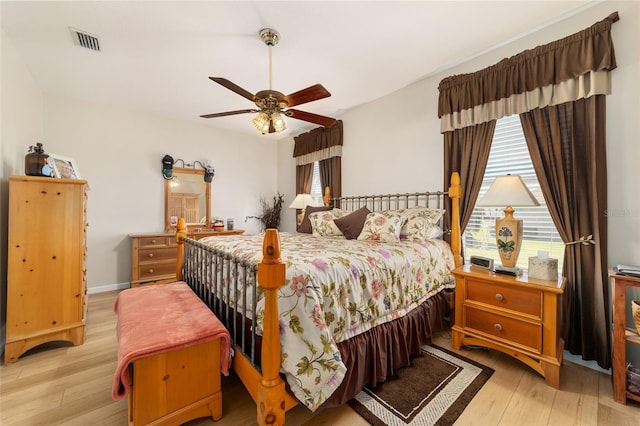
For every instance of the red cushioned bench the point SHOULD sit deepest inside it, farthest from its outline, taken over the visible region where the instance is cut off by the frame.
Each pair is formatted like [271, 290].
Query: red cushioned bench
[171, 351]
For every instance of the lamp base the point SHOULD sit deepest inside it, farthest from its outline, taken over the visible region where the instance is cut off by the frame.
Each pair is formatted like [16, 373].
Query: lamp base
[299, 217]
[508, 238]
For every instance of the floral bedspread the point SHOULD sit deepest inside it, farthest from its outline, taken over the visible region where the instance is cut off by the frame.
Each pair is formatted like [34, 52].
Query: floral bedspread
[336, 289]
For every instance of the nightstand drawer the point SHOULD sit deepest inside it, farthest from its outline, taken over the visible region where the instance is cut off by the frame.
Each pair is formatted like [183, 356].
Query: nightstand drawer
[157, 253]
[517, 299]
[511, 330]
[148, 242]
[150, 270]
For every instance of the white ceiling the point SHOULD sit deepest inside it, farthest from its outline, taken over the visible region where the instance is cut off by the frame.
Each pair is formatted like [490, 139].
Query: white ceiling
[157, 56]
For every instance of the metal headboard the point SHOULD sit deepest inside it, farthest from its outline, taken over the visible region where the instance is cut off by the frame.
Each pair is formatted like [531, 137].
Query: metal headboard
[381, 202]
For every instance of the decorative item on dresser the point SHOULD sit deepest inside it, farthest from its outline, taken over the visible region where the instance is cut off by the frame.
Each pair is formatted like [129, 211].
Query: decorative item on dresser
[153, 255]
[46, 275]
[516, 315]
[622, 335]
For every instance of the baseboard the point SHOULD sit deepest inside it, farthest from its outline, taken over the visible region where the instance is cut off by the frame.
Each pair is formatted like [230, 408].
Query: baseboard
[110, 287]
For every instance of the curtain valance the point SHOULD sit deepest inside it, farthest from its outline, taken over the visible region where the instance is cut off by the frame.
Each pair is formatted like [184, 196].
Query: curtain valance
[571, 68]
[318, 144]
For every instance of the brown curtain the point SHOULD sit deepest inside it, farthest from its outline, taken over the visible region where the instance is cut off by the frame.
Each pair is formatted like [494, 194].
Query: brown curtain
[568, 149]
[322, 144]
[558, 91]
[331, 175]
[318, 139]
[568, 58]
[466, 151]
[304, 177]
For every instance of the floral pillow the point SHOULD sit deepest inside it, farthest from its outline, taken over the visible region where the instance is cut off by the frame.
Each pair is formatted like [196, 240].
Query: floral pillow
[419, 228]
[323, 225]
[382, 226]
[421, 223]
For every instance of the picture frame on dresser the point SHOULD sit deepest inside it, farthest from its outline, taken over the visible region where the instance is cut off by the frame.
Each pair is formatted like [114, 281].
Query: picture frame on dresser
[63, 167]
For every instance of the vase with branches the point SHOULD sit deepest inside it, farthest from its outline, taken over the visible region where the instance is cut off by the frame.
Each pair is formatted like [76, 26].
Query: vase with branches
[270, 215]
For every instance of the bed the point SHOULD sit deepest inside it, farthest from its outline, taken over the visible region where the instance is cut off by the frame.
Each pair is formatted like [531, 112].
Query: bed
[332, 312]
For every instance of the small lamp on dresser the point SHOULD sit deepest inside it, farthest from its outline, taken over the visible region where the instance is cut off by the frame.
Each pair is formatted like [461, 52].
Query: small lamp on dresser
[509, 191]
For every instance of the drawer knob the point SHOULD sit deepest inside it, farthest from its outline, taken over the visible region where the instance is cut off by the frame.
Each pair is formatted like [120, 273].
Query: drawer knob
[150, 254]
[499, 296]
[497, 327]
[151, 271]
[153, 241]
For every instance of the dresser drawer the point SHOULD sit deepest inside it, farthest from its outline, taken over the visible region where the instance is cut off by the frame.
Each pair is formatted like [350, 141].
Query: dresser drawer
[518, 299]
[157, 253]
[151, 270]
[147, 242]
[512, 330]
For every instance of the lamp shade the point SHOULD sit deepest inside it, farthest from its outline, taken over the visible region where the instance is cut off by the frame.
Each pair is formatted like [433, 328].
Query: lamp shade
[302, 201]
[509, 190]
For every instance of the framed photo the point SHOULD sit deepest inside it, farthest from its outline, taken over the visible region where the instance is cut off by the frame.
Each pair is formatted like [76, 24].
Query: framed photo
[63, 167]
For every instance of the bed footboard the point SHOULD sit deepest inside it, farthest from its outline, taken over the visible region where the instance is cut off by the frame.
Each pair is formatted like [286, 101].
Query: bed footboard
[221, 281]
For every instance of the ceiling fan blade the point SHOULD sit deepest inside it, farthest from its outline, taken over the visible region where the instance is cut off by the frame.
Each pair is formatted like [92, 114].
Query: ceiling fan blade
[310, 117]
[222, 114]
[312, 93]
[234, 87]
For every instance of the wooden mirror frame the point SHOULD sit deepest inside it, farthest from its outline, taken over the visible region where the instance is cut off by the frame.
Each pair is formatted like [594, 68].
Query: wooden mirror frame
[207, 192]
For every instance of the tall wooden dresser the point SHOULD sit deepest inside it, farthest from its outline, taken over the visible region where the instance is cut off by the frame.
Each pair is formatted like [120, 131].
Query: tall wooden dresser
[46, 272]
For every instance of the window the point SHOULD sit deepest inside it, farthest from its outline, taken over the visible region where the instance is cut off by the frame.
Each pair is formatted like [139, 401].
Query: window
[316, 186]
[509, 154]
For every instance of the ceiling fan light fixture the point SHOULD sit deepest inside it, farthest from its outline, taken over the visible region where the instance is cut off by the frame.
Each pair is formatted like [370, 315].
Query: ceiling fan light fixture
[261, 122]
[278, 122]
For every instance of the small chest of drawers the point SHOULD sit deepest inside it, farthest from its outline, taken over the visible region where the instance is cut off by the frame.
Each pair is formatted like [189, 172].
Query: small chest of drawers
[153, 255]
[519, 316]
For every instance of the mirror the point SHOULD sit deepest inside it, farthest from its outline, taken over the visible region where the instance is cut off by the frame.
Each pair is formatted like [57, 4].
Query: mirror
[187, 195]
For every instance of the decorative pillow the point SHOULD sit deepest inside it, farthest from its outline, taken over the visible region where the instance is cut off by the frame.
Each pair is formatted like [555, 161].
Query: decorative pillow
[351, 225]
[382, 226]
[419, 228]
[305, 225]
[421, 223]
[323, 225]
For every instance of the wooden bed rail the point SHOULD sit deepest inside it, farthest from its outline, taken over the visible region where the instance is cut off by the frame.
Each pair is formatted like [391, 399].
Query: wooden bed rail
[267, 387]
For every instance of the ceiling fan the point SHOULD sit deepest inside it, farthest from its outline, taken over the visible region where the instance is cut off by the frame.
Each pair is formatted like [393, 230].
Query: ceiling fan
[272, 105]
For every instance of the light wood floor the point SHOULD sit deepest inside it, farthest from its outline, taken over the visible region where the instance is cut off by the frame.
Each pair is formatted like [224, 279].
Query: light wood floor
[62, 384]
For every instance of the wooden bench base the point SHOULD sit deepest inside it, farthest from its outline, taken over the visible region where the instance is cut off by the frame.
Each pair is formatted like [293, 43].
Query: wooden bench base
[174, 387]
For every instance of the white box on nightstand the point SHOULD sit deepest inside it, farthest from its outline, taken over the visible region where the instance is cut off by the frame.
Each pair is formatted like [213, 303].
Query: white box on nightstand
[543, 269]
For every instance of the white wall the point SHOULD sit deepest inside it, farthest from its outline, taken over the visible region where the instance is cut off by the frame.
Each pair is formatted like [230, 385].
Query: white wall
[119, 153]
[21, 125]
[394, 143]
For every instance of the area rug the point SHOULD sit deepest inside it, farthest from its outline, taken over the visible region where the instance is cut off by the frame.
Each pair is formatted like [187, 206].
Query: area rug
[435, 390]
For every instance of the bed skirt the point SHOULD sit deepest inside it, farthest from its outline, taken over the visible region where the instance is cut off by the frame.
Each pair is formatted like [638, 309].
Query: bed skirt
[375, 355]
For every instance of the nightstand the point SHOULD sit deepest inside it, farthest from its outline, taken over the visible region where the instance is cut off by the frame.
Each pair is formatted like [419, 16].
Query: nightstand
[519, 316]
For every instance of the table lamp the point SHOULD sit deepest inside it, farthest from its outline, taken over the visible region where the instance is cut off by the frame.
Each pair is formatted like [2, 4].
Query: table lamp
[300, 203]
[509, 191]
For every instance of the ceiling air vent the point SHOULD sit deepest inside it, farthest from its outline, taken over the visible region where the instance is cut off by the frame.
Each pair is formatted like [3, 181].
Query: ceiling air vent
[84, 39]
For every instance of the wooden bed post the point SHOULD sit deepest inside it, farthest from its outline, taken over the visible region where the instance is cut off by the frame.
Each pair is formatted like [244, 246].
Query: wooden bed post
[271, 390]
[181, 231]
[455, 191]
